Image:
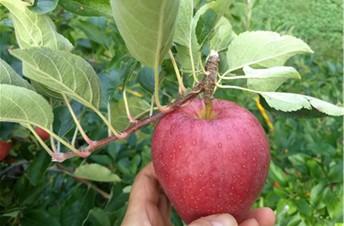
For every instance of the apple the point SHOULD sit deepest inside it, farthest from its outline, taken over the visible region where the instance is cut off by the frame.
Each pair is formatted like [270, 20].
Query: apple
[42, 133]
[210, 163]
[5, 148]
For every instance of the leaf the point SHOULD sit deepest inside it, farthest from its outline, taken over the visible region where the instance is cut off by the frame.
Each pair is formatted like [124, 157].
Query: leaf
[62, 72]
[96, 172]
[269, 79]
[34, 217]
[76, 206]
[10, 77]
[87, 7]
[146, 79]
[44, 6]
[32, 29]
[36, 170]
[24, 106]
[97, 217]
[289, 102]
[184, 28]
[263, 48]
[119, 118]
[223, 35]
[147, 27]
[93, 32]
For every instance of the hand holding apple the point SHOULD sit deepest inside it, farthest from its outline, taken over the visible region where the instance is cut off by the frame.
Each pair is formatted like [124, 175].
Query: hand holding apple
[149, 206]
[211, 162]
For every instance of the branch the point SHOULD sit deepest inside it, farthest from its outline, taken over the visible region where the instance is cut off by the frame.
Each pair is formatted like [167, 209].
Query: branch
[206, 85]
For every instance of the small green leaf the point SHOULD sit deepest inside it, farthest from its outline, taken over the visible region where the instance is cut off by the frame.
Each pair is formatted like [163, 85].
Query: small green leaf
[316, 193]
[263, 48]
[289, 102]
[10, 77]
[62, 72]
[32, 29]
[223, 35]
[36, 170]
[119, 118]
[97, 217]
[269, 79]
[24, 106]
[87, 7]
[96, 172]
[44, 6]
[147, 27]
[146, 79]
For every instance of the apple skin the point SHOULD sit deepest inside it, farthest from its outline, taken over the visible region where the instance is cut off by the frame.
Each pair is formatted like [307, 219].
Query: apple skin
[5, 148]
[42, 133]
[212, 166]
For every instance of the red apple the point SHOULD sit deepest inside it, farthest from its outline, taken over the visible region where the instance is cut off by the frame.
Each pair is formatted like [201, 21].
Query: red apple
[42, 133]
[211, 166]
[5, 148]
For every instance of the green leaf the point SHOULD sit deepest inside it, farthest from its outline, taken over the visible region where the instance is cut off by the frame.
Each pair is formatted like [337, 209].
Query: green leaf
[263, 48]
[119, 118]
[316, 193]
[188, 43]
[62, 72]
[10, 77]
[96, 172]
[36, 170]
[147, 27]
[87, 7]
[146, 79]
[222, 36]
[289, 102]
[44, 6]
[97, 217]
[24, 106]
[269, 79]
[32, 29]
[184, 28]
[35, 217]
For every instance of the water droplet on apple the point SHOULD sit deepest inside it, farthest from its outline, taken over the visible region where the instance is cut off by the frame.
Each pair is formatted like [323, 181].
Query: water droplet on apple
[219, 145]
[194, 142]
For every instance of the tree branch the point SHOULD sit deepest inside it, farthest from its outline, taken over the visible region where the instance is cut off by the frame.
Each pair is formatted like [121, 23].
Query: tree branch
[206, 85]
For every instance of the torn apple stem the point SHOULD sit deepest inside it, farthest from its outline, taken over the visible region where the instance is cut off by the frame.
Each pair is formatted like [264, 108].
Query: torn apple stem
[210, 83]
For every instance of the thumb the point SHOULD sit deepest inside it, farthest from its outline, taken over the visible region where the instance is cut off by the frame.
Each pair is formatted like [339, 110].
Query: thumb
[215, 220]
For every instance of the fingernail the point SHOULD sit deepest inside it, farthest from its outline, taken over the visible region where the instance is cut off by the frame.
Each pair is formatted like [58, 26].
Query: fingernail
[216, 223]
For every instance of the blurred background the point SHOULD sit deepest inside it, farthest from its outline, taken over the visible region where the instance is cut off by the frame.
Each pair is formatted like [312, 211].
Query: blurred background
[305, 184]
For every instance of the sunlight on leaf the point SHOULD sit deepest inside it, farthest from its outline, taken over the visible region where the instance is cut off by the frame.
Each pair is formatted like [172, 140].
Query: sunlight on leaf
[263, 48]
[24, 106]
[96, 172]
[62, 72]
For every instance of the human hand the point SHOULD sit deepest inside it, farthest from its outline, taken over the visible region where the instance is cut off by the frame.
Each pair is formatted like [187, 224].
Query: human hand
[148, 206]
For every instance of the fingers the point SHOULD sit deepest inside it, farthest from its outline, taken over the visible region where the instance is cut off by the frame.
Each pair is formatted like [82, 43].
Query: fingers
[264, 217]
[215, 220]
[250, 222]
[146, 188]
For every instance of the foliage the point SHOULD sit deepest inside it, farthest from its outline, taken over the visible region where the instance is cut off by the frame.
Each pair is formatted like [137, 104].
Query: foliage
[305, 181]
[320, 23]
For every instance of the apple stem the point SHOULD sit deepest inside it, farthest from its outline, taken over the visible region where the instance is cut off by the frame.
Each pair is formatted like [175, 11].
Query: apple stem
[210, 81]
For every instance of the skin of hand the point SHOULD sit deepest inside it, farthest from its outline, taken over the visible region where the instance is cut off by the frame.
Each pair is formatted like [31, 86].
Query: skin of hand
[148, 206]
